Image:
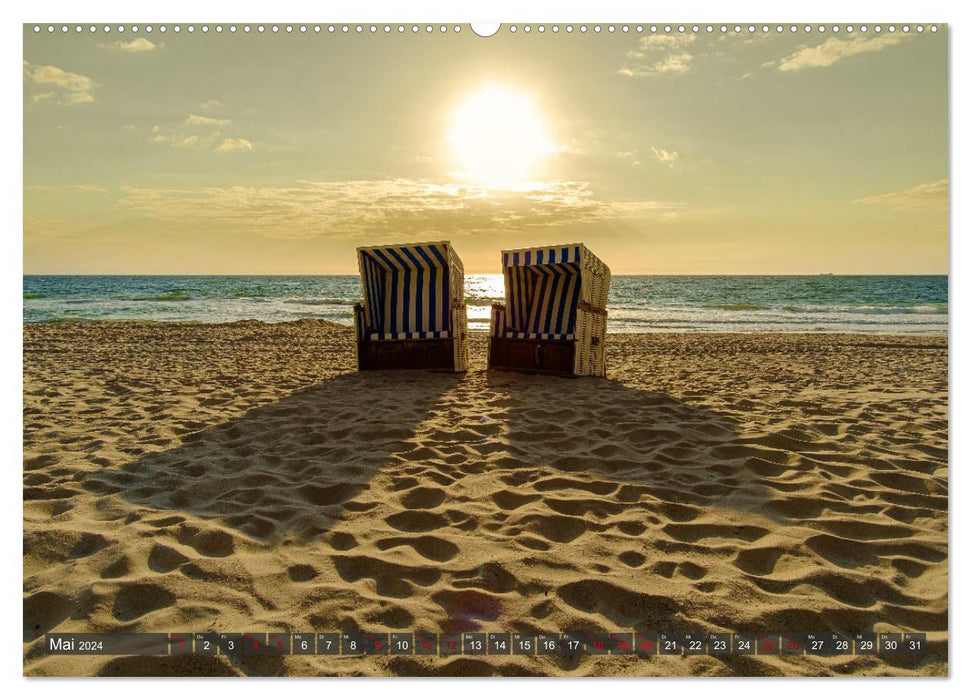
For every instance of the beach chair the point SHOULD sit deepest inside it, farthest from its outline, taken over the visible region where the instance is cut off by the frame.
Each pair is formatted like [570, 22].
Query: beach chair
[413, 315]
[555, 315]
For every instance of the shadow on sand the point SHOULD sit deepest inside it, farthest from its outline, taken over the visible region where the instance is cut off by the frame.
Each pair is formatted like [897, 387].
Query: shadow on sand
[290, 468]
[568, 458]
[296, 466]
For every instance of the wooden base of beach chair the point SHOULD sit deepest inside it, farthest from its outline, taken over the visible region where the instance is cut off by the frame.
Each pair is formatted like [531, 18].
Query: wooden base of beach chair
[545, 356]
[407, 354]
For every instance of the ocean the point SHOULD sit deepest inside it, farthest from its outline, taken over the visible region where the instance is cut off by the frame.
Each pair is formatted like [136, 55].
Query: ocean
[638, 303]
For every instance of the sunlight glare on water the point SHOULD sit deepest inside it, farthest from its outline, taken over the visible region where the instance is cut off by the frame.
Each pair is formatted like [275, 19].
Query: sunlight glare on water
[481, 292]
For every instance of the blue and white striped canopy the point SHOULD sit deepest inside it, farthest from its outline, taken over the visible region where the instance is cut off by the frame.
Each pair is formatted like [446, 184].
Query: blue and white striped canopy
[407, 290]
[542, 291]
[542, 256]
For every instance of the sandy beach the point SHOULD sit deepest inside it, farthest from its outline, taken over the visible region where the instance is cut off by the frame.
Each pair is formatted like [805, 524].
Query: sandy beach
[241, 477]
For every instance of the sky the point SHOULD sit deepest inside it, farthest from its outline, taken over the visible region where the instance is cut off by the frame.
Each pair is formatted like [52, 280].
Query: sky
[232, 153]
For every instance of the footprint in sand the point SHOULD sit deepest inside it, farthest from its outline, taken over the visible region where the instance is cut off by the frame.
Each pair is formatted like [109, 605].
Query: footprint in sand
[300, 573]
[632, 559]
[702, 531]
[429, 547]
[416, 521]
[330, 495]
[134, 600]
[390, 579]
[164, 559]
[43, 611]
[118, 568]
[557, 528]
[623, 607]
[423, 498]
[209, 543]
[760, 561]
[490, 577]
[511, 500]
[848, 554]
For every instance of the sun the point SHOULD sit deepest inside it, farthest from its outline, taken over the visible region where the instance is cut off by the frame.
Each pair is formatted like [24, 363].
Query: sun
[498, 137]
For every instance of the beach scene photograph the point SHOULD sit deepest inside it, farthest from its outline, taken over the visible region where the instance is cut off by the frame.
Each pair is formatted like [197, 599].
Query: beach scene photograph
[548, 350]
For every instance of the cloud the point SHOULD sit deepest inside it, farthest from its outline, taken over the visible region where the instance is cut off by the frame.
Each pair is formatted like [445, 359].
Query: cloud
[214, 140]
[139, 45]
[196, 120]
[178, 140]
[669, 158]
[630, 156]
[51, 75]
[662, 41]
[658, 54]
[70, 88]
[396, 207]
[832, 50]
[931, 196]
[63, 188]
[235, 145]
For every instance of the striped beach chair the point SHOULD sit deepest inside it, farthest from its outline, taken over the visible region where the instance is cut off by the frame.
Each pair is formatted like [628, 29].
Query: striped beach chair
[555, 315]
[413, 315]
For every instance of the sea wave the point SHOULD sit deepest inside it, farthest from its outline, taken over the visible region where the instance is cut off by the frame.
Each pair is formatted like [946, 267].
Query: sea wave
[322, 301]
[165, 296]
[777, 321]
[736, 307]
[922, 309]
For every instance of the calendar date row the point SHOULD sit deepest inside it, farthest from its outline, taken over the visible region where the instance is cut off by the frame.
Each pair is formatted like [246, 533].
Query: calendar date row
[645, 644]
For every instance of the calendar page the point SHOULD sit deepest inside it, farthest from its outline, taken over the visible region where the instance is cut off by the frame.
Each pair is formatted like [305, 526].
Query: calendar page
[515, 349]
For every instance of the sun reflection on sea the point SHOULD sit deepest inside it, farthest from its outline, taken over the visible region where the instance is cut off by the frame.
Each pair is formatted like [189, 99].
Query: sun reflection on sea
[481, 292]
